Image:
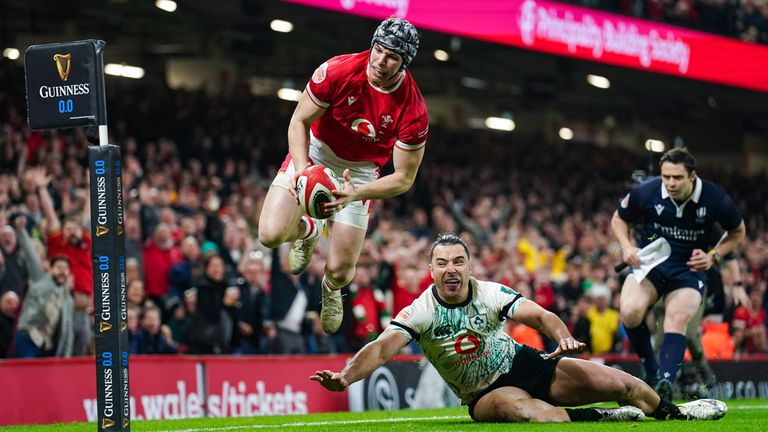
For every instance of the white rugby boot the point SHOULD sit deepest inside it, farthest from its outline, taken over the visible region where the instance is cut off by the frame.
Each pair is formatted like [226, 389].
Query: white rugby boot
[301, 250]
[622, 414]
[704, 409]
[332, 311]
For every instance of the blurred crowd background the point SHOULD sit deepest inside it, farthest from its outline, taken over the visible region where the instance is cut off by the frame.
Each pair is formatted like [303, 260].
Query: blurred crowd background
[196, 170]
[536, 218]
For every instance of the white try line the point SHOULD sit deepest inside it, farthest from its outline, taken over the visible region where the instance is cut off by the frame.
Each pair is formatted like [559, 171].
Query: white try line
[321, 423]
[351, 422]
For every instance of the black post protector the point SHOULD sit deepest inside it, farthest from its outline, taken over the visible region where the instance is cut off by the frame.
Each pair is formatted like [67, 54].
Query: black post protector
[110, 311]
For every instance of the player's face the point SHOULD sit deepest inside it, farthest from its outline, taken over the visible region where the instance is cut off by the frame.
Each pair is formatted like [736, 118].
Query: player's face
[677, 181]
[450, 270]
[383, 66]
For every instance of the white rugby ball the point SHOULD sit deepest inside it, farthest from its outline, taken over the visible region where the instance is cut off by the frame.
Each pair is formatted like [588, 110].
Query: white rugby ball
[314, 186]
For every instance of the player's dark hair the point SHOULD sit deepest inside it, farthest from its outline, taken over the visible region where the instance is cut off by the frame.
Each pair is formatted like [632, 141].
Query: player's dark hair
[447, 239]
[680, 155]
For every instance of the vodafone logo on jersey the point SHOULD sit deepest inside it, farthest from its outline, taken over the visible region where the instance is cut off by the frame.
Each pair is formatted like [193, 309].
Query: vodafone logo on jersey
[467, 345]
[364, 127]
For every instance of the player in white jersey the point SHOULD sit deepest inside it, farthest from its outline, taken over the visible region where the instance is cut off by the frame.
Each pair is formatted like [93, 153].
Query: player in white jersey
[458, 323]
[357, 112]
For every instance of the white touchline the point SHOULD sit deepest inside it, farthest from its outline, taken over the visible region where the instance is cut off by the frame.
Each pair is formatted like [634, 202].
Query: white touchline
[322, 423]
[346, 422]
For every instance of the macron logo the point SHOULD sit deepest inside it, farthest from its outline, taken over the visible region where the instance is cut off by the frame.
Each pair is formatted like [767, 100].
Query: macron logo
[659, 209]
[351, 100]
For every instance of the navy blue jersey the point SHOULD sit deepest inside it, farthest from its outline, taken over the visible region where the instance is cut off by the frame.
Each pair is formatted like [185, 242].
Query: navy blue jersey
[686, 225]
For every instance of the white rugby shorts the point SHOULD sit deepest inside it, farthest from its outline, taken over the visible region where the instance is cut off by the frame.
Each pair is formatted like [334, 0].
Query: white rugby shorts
[356, 213]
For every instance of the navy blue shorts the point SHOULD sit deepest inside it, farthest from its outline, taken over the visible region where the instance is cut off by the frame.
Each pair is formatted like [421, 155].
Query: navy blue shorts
[673, 274]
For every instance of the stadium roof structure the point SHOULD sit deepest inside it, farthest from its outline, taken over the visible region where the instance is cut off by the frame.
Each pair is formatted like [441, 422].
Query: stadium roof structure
[540, 91]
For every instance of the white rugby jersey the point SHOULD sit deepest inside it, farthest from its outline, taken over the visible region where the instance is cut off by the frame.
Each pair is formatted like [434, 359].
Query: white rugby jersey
[465, 342]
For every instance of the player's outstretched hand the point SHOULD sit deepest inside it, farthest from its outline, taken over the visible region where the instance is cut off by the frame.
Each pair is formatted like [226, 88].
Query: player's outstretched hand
[294, 178]
[567, 345]
[700, 261]
[330, 380]
[343, 197]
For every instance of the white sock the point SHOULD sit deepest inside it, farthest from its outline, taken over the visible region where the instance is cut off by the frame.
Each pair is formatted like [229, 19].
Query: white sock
[311, 228]
[329, 286]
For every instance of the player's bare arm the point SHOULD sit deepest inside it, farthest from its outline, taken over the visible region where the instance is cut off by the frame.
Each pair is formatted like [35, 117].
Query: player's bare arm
[538, 318]
[304, 115]
[406, 164]
[364, 362]
[629, 252]
[702, 260]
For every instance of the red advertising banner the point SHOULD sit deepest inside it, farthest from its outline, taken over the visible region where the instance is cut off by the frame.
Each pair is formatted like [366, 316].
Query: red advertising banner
[46, 391]
[169, 387]
[581, 33]
[240, 387]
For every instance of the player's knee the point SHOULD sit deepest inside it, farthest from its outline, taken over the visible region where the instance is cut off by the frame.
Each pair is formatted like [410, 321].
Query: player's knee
[633, 387]
[677, 321]
[269, 238]
[631, 317]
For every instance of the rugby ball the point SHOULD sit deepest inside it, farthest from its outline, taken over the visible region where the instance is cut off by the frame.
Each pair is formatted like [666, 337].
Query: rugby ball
[314, 186]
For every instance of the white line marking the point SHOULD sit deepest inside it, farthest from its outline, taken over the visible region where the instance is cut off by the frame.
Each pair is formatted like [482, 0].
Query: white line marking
[322, 423]
[747, 406]
[350, 422]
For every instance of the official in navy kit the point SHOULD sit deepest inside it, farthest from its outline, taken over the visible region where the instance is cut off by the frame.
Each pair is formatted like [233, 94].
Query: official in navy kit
[680, 208]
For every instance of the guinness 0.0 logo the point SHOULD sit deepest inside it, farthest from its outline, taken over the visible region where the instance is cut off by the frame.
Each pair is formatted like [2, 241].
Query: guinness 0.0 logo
[63, 64]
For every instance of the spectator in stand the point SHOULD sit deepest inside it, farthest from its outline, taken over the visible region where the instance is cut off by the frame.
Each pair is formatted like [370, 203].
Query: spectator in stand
[154, 337]
[134, 292]
[289, 307]
[236, 243]
[420, 227]
[71, 240]
[603, 321]
[255, 304]
[749, 335]
[579, 323]
[160, 254]
[132, 320]
[207, 332]
[572, 289]
[178, 322]
[368, 308]
[133, 243]
[45, 326]
[188, 269]
[9, 309]
[14, 270]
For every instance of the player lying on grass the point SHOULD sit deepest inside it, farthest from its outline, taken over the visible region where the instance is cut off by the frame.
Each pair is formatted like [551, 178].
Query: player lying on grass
[458, 324]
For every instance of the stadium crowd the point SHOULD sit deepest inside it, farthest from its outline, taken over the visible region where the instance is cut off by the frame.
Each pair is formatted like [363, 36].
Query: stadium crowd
[746, 20]
[196, 169]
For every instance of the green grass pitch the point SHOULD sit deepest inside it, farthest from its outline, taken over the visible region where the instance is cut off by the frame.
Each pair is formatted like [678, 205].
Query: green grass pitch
[743, 416]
